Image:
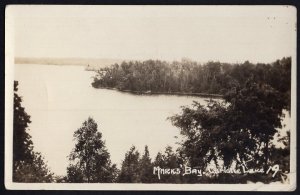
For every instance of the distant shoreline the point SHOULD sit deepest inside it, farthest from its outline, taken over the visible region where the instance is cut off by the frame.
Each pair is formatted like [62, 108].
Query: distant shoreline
[94, 63]
[164, 93]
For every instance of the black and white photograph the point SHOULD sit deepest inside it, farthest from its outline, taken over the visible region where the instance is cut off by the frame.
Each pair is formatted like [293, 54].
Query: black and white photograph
[150, 97]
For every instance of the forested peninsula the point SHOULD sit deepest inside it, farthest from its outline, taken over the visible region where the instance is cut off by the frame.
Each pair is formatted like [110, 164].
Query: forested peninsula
[188, 77]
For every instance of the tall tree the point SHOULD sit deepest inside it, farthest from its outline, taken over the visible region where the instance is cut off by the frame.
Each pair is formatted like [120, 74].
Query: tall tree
[146, 167]
[22, 144]
[130, 170]
[28, 165]
[89, 160]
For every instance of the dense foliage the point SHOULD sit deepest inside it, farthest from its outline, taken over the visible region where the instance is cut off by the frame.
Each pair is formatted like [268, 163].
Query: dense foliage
[146, 168]
[130, 171]
[90, 160]
[136, 169]
[172, 160]
[235, 132]
[23, 145]
[28, 165]
[192, 77]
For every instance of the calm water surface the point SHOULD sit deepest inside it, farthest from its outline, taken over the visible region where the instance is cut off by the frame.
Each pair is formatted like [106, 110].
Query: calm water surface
[60, 98]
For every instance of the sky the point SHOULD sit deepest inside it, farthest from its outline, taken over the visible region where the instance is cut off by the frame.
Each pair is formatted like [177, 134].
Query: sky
[202, 33]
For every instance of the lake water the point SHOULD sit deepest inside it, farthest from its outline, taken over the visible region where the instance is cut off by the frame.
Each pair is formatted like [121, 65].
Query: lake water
[60, 98]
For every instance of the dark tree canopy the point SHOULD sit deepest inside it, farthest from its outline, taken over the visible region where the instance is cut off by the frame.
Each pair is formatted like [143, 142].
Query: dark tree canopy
[130, 170]
[28, 165]
[33, 171]
[136, 169]
[22, 144]
[90, 160]
[146, 168]
[238, 129]
[168, 159]
[187, 76]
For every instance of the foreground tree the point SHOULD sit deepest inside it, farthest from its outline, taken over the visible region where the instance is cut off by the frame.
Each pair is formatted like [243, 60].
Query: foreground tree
[136, 169]
[89, 160]
[168, 159]
[239, 129]
[22, 144]
[146, 168]
[28, 166]
[130, 170]
[33, 171]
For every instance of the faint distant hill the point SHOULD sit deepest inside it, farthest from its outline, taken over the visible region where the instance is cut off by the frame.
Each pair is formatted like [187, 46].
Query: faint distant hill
[97, 62]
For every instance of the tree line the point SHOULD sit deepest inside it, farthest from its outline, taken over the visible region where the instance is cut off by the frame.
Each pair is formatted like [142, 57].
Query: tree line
[189, 76]
[235, 133]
